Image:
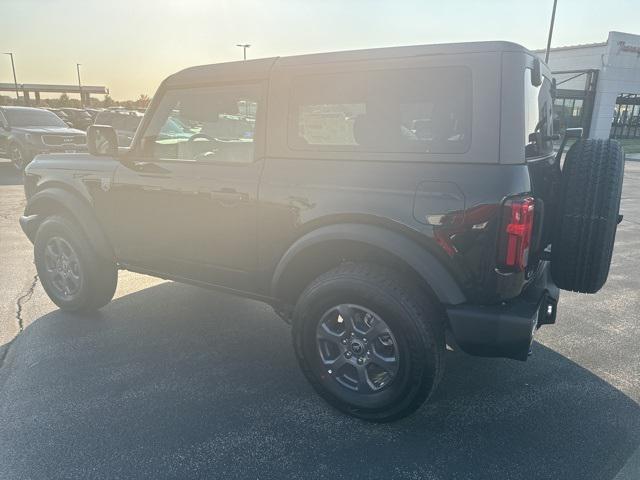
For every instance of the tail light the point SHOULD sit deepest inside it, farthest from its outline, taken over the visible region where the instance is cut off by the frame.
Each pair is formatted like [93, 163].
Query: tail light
[516, 232]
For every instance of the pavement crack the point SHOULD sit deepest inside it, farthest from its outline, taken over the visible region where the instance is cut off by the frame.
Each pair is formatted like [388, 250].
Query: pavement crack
[22, 301]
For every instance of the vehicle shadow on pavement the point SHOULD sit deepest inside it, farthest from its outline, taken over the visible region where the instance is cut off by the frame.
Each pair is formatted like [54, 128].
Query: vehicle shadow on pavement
[8, 174]
[178, 382]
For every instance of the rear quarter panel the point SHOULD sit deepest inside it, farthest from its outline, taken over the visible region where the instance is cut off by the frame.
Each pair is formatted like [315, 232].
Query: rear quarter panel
[301, 190]
[299, 195]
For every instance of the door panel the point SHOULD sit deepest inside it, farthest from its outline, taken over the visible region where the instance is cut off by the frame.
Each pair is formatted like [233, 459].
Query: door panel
[184, 200]
[192, 220]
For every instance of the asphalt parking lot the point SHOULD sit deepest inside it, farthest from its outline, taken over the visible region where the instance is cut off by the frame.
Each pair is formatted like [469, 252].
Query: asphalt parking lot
[172, 381]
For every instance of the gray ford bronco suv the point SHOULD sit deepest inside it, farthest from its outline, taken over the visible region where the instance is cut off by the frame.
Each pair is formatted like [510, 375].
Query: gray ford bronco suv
[381, 201]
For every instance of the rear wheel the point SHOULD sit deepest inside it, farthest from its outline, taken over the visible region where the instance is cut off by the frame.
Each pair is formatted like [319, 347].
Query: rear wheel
[586, 228]
[73, 276]
[370, 343]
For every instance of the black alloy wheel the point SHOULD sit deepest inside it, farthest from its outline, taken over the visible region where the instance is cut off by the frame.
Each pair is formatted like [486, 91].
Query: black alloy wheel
[369, 341]
[357, 348]
[63, 268]
[73, 274]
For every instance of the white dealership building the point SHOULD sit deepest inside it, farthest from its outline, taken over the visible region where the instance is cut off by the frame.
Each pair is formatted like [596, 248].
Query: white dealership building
[599, 85]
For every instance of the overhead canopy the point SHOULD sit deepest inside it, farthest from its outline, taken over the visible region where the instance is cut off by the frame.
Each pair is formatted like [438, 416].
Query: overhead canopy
[41, 87]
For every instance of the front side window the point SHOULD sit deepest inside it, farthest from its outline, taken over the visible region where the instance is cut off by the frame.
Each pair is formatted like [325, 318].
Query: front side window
[538, 117]
[205, 124]
[424, 110]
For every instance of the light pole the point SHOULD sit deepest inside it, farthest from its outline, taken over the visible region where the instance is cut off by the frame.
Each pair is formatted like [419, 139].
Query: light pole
[80, 85]
[244, 47]
[15, 81]
[553, 19]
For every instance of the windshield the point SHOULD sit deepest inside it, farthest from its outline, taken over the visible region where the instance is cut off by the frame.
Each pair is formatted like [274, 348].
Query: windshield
[538, 105]
[33, 118]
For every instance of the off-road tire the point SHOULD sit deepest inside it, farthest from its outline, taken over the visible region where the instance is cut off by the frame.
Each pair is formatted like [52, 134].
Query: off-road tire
[585, 229]
[99, 275]
[416, 321]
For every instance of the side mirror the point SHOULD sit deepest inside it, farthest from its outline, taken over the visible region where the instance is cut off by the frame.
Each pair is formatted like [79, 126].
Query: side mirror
[536, 73]
[102, 140]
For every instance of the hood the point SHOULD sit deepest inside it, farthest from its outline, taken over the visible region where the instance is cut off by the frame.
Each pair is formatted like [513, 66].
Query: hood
[49, 130]
[72, 162]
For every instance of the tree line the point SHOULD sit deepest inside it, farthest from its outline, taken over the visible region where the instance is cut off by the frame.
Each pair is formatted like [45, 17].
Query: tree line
[65, 101]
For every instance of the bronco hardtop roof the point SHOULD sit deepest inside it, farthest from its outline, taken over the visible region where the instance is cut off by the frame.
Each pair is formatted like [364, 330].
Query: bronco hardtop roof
[256, 69]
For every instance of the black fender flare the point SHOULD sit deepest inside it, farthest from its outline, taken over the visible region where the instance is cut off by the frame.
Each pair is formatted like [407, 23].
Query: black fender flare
[39, 206]
[438, 278]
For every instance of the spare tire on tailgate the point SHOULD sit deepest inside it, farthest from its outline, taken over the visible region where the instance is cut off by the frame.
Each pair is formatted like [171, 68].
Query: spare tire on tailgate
[586, 222]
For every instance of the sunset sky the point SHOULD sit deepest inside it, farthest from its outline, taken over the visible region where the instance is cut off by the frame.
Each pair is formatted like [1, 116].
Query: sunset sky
[131, 45]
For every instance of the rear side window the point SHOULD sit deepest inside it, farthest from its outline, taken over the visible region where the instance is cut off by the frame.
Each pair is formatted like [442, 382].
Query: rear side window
[424, 110]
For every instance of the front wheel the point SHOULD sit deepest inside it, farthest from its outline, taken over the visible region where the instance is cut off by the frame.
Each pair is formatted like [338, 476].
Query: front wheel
[18, 156]
[369, 342]
[71, 273]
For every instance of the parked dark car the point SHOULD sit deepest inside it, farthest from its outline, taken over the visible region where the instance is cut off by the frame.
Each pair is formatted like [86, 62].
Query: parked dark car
[78, 117]
[63, 116]
[125, 123]
[25, 132]
[376, 199]
[93, 112]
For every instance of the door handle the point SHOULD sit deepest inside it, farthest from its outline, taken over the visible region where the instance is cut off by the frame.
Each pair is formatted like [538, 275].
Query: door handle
[152, 188]
[227, 197]
[150, 167]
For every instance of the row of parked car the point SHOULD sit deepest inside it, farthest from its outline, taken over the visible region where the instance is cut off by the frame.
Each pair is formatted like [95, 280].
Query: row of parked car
[124, 121]
[26, 132]
[79, 118]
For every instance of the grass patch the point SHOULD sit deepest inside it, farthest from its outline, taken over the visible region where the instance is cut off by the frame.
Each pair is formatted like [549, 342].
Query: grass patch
[631, 145]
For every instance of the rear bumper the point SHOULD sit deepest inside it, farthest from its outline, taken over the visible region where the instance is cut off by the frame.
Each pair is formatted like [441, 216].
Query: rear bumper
[506, 329]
